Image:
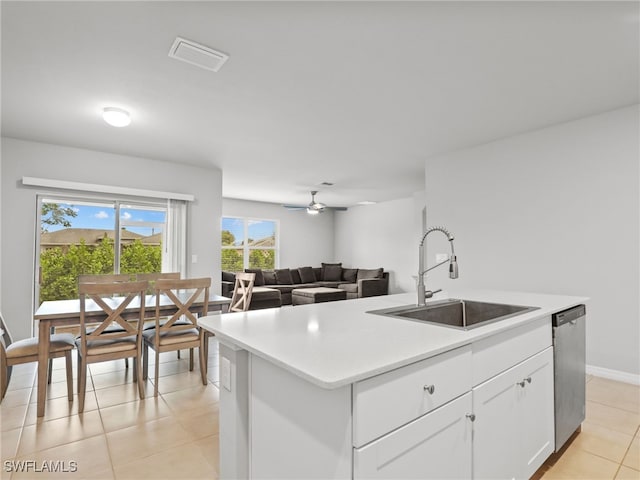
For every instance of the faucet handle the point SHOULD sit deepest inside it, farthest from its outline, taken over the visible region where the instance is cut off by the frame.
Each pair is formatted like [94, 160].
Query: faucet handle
[431, 293]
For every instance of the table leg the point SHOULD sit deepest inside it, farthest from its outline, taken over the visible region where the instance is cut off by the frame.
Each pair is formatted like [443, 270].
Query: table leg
[43, 363]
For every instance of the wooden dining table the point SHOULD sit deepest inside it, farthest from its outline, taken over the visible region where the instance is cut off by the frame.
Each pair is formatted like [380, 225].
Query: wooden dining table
[64, 313]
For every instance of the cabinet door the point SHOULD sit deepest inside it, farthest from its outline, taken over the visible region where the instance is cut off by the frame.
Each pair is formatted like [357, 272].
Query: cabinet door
[495, 447]
[435, 446]
[513, 433]
[535, 412]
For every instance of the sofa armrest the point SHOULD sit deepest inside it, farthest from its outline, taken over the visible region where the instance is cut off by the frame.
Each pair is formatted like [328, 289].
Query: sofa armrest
[227, 288]
[371, 287]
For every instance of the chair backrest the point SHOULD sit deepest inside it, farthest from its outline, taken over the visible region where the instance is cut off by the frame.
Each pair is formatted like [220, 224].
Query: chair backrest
[153, 277]
[180, 295]
[106, 278]
[241, 299]
[112, 300]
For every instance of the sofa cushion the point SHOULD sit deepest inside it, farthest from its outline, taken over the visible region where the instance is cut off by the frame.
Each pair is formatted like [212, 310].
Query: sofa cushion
[295, 276]
[364, 274]
[283, 276]
[327, 284]
[331, 272]
[269, 277]
[349, 274]
[259, 276]
[307, 275]
[228, 276]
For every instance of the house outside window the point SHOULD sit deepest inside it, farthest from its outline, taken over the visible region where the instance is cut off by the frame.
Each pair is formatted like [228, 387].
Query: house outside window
[249, 243]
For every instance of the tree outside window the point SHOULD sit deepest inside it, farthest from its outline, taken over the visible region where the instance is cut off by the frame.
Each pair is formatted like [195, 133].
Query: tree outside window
[248, 243]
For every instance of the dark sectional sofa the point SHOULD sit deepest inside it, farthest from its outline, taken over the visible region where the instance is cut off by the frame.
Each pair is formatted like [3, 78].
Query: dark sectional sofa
[357, 282]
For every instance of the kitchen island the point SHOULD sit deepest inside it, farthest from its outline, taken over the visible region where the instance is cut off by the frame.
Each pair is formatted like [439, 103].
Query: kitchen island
[331, 391]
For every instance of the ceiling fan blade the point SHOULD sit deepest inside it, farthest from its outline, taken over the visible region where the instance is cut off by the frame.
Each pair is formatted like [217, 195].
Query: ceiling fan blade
[295, 207]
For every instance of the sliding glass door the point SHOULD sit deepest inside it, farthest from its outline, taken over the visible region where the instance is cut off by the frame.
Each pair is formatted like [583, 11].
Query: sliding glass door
[79, 236]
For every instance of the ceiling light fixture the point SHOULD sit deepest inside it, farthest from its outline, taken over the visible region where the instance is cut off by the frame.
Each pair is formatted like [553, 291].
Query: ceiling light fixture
[116, 117]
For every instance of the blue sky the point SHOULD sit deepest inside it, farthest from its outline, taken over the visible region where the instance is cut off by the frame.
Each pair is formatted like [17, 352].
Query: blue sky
[257, 228]
[103, 217]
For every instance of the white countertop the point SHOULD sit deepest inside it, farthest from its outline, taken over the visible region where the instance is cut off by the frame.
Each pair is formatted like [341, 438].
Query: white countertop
[337, 343]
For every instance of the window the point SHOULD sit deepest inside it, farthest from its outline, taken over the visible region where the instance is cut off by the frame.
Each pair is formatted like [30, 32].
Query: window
[249, 243]
[79, 236]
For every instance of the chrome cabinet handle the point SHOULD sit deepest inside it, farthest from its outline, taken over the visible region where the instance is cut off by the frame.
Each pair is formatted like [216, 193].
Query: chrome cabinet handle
[429, 388]
[471, 416]
[524, 382]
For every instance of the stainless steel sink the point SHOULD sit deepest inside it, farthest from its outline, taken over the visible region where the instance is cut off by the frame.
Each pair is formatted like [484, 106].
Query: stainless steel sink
[456, 313]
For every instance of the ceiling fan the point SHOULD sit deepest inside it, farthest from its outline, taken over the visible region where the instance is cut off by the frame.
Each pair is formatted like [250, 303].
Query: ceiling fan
[314, 207]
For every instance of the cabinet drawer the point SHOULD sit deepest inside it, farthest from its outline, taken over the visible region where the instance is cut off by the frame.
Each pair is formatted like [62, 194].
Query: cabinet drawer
[436, 445]
[499, 352]
[390, 400]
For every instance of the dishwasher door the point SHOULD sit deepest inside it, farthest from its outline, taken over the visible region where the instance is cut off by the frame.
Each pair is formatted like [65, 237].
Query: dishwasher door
[569, 367]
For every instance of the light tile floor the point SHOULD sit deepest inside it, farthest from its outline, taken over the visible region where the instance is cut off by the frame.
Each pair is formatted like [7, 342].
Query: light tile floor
[118, 436]
[176, 435]
[608, 447]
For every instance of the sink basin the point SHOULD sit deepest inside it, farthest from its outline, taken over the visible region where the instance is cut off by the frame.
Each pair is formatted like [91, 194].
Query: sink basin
[462, 314]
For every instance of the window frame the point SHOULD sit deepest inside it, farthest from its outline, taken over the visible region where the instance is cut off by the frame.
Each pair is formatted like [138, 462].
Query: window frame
[118, 202]
[246, 249]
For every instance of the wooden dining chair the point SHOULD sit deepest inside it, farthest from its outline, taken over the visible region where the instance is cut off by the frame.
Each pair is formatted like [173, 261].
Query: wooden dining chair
[100, 344]
[108, 278]
[26, 351]
[242, 291]
[180, 330]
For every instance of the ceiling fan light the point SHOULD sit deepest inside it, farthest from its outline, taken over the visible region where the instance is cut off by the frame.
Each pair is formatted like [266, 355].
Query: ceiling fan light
[312, 211]
[116, 117]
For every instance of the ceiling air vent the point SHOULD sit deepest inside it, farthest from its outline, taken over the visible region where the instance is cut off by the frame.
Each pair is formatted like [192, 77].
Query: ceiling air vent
[198, 55]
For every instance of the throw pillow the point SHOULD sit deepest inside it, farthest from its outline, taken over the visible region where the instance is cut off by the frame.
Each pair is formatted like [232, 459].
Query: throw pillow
[283, 276]
[259, 276]
[295, 276]
[269, 277]
[364, 274]
[331, 272]
[306, 275]
[349, 274]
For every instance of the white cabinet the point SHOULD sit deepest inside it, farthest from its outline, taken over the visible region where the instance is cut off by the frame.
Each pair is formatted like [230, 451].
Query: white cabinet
[436, 445]
[388, 401]
[513, 428]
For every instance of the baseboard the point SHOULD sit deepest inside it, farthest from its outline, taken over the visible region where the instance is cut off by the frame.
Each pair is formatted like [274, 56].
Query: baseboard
[616, 375]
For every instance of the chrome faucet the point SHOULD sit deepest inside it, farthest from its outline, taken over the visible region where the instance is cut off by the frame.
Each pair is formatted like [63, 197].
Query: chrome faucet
[453, 263]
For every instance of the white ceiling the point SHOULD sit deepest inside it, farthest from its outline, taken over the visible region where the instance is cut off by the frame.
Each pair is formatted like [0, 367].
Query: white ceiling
[355, 93]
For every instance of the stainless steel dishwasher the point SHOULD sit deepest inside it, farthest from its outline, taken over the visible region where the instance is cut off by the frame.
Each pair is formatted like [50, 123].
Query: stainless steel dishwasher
[569, 366]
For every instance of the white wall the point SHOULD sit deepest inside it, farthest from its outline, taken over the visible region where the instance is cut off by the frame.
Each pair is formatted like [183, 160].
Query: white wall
[556, 211]
[305, 240]
[18, 222]
[381, 235]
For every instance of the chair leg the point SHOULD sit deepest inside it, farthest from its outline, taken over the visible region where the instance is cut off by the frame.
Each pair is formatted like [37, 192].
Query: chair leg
[178, 354]
[203, 361]
[145, 362]
[126, 363]
[82, 385]
[135, 370]
[49, 371]
[80, 367]
[69, 367]
[191, 359]
[155, 383]
[138, 369]
[4, 381]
